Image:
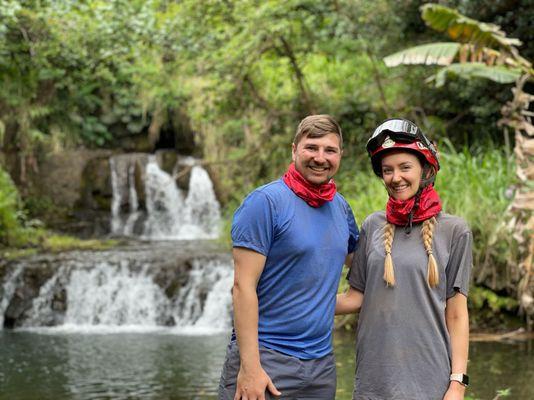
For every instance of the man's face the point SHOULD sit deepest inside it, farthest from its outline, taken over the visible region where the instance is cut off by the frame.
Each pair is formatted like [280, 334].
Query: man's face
[317, 159]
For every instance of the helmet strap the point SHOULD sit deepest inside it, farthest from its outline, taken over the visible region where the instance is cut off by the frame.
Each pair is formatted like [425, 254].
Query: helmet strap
[425, 181]
[408, 226]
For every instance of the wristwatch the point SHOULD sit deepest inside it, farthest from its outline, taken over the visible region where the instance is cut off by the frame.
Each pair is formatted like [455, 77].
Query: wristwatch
[462, 378]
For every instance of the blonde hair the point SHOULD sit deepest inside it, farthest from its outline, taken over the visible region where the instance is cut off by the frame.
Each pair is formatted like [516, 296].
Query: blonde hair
[427, 232]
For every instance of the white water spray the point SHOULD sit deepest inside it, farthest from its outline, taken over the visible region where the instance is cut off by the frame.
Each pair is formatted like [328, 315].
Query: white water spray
[170, 214]
[213, 282]
[8, 289]
[124, 297]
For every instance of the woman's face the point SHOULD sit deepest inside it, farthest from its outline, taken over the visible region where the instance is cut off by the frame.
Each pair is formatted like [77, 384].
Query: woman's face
[401, 173]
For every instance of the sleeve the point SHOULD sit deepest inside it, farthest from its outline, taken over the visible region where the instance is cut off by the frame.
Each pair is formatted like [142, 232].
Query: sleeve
[354, 234]
[254, 223]
[459, 265]
[358, 270]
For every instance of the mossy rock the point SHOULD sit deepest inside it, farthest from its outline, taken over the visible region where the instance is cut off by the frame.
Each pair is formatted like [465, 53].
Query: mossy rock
[96, 191]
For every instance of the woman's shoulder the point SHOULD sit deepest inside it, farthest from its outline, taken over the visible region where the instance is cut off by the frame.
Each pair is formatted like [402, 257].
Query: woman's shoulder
[454, 224]
[374, 220]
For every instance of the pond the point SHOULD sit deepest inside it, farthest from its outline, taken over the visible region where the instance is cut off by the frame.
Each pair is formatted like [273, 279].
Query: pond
[161, 364]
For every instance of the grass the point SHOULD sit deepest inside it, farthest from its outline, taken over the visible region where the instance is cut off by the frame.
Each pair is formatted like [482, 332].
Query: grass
[57, 243]
[478, 186]
[45, 241]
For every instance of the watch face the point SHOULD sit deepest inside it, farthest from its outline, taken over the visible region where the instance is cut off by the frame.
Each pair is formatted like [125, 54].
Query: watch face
[465, 379]
[462, 378]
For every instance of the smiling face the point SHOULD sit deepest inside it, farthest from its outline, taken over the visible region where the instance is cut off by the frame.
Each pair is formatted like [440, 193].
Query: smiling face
[401, 173]
[317, 159]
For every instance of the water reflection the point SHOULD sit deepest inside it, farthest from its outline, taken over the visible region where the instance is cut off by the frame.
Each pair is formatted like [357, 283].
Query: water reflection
[117, 366]
[163, 365]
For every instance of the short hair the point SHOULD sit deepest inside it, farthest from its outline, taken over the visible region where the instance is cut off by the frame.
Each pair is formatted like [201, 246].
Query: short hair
[316, 126]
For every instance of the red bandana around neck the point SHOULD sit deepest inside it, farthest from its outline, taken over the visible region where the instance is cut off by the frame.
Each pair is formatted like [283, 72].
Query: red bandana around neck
[314, 195]
[398, 211]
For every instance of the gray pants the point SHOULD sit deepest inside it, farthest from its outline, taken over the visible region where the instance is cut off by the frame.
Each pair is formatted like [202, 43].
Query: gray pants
[297, 379]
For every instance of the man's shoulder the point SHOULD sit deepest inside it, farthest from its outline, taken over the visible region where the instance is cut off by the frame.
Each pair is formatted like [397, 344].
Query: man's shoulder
[272, 190]
[268, 195]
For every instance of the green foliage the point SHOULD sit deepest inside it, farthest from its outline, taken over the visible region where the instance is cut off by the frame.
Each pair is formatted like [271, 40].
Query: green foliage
[57, 243]
[21, 237]
[496, 74]
[363, 190]
[10, 226]
[500, 393]
[481, 298]
[464, 29]
[240, 75]
[433, 53]
[477, 185]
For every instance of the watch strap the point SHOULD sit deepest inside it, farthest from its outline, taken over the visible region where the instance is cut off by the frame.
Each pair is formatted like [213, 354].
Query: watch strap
[462, 378]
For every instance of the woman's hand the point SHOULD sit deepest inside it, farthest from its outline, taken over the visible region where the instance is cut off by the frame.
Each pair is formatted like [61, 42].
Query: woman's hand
[456, 391]
[349, 302]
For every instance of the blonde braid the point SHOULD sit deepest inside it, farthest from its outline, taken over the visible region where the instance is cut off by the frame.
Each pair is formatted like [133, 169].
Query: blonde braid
[427, 232]
[389, 274]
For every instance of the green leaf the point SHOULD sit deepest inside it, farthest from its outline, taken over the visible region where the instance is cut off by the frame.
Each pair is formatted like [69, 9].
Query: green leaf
[466, 30]
[497, 74]
[433, 53]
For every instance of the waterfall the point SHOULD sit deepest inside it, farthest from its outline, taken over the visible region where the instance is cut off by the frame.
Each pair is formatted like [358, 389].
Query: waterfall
[166, 211]
[212, 282]
[126, 295]
[155, 285]
[7, 290]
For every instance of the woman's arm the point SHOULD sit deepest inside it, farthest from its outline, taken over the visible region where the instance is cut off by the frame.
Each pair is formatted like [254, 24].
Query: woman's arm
[349, 302]
[457, 319]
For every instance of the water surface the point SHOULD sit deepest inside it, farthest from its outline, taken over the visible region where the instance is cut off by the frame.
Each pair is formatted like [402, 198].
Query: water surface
[163, 365]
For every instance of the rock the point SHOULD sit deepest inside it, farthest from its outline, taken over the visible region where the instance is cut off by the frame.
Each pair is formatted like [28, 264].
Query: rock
[166, 160]
[96, 192]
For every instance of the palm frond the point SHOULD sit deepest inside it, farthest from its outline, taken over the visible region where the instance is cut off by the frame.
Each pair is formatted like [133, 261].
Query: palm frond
[429, 54]
[494, 73]
[466, 30]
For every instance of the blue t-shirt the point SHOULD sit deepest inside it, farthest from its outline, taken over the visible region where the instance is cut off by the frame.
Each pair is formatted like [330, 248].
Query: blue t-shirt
[305, 249]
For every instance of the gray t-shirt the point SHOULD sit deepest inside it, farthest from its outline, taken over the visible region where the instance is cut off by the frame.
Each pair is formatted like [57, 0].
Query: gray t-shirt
[403, 348]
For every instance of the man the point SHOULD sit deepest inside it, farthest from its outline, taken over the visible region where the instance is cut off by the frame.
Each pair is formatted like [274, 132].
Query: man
[290, 238]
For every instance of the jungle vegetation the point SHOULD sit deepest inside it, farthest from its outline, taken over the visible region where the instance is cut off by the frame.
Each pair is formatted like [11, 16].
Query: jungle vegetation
[229, 81]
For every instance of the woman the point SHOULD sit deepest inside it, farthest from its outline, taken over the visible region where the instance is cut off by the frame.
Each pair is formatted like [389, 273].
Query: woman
[410, 275]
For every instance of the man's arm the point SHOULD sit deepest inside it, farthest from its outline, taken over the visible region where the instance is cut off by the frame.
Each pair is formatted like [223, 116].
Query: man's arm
[252, 380]
[457, 319]
[349, 302]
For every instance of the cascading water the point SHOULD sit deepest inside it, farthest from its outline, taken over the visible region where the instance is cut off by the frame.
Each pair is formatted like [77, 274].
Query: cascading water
[8, 289]
[213, 283]
[126, 292]
[180, 284]
[167, 212]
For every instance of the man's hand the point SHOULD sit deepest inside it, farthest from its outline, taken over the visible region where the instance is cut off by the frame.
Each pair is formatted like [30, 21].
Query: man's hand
[251, 385]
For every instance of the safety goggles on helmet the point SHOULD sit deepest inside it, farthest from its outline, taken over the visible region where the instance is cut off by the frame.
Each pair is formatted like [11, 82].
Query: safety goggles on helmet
[400, 130]
[400, 134]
